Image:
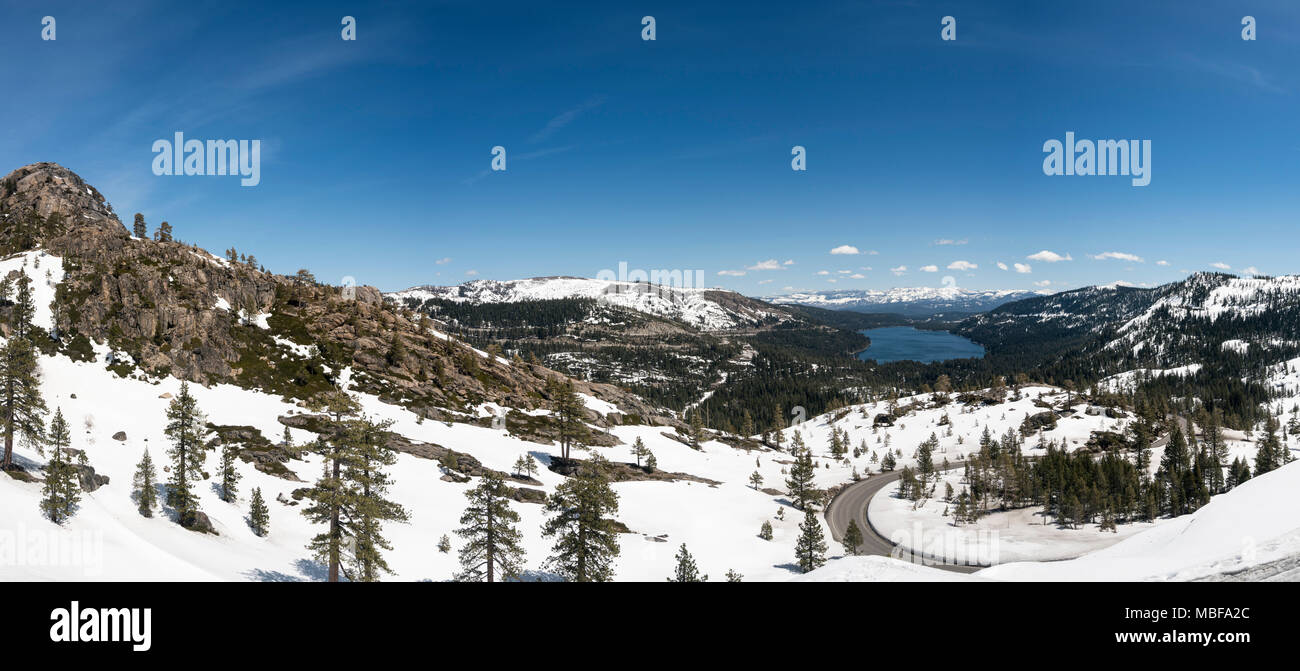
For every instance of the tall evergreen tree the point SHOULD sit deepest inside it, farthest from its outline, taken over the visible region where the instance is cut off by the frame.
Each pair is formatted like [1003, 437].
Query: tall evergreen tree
[686, 571]
[259, 517]
[62, 489]
[570, 415]
[229, 474]
[492, 546]
[144, 481]
[20, 376]
[810, 549]
[586, 538]
[332, 494]
[185, 430]
[800, 480]
[852, 538]
[140, 229]
[371, 507]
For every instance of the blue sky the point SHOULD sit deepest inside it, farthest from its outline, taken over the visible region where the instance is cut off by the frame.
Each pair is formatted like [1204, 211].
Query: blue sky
[675, 153]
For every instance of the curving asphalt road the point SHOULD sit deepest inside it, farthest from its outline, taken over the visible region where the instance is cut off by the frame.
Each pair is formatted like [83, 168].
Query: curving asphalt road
[851, 504]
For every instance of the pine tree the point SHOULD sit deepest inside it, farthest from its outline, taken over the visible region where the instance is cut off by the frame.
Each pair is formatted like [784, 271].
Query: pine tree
[639, 450]
[889, 462]
[733, 576]
[852, 538]
[800, 480]
[810, 549]
[62, 489]
[144, 481]
[686, 570]
[651, 463]
[140, 229]
[756, 480]
[185, 429]
[370, 507]
[1269, 453]
[286, 440]
[444, 544]
[164, 232]
[259, 518]
[586, 540]
[20, 377]
[765, 531]
[492, 546]
[229, 474]
[570, 416]
[332, 494]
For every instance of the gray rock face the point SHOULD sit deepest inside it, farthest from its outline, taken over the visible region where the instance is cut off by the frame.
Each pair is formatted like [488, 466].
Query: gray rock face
[51, 188]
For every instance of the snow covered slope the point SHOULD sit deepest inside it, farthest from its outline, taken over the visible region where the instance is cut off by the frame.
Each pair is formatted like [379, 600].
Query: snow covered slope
[1257, 522]
[707, 309]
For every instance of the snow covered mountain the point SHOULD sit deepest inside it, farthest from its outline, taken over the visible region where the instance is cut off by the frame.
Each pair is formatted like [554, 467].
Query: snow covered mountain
[705, 309]
[909, 301]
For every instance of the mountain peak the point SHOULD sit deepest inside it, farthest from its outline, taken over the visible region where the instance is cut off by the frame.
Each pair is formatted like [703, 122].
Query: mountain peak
[49, 188]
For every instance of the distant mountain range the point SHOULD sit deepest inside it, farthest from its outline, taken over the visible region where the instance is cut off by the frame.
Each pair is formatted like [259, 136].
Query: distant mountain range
[908, 301]
[704, 309]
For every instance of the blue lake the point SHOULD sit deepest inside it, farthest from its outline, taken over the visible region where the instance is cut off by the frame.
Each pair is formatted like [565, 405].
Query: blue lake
[904, 343]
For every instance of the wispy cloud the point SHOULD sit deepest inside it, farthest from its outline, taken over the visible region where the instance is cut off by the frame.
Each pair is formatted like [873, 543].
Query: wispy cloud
[566, 118]
[845, 249]
[962, 265]
[1119, 256]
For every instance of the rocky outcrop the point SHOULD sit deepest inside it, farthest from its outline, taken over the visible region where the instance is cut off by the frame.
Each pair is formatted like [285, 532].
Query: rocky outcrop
[51, 189]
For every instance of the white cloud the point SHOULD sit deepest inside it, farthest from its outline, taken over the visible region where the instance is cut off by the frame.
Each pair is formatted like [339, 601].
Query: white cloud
[1162, 262]
[788, 262]
[873, 253]
[770, 264]
[1023, 268]
[844, 272]
[857, 276]
[764, 281]
[1252, 270]
[823, 272]
[962, 265]
[1121, 256]
[1002, 266]
[946, 241]
[471, 273]
[443, 261]
[1221, 265]
[1048, 257]
[732, 273]
[1042, 283]
[845, 249]
[929, 269]
[899, 270]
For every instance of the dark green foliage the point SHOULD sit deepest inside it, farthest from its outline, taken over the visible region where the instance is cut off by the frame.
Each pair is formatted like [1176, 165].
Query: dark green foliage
[810, 548]
[492, 548]
[259, 517]
[586, 539]
[144, 482]
[62, 489]
[185, 431]
[686, 571]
